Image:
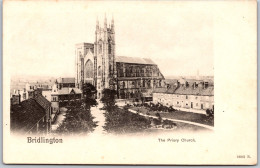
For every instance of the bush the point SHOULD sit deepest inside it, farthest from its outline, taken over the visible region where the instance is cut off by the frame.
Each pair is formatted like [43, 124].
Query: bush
[209, 113]
[79, 120]
[171, 109]
[108, 99]
[157, 115]
[156, 121]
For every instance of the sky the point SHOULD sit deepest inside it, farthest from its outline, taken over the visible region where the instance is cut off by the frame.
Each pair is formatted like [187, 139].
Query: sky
[40, 37]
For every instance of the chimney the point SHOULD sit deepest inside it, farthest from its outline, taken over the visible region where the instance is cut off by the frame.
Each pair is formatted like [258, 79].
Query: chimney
[19, 99]
[206, 85]
[186, 84]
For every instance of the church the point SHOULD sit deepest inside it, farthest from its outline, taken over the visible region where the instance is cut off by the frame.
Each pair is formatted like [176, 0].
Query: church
[98, 64]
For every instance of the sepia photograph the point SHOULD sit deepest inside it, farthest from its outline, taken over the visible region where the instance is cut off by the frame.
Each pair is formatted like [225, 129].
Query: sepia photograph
[95, 78]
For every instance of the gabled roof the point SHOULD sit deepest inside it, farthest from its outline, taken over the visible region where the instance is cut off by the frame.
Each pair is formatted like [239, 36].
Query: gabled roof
[26, 114]
[75, 90]
[134, 60]
[40, 99]
[169, 90]
[182, 90]
[66, 91]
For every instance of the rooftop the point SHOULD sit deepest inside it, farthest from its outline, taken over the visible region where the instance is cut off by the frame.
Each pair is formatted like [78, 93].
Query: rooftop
[182, 90]
[66, 91]
[134, 60]
[66, 80]
[190, 90]
[26, 114]
[40, 99]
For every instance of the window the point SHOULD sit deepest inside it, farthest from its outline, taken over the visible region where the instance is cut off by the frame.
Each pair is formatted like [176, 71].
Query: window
[109, 48]
[177, 102]
[186, 96]
[197, 104]
[99, 71]
[100, 48]
[89, 69]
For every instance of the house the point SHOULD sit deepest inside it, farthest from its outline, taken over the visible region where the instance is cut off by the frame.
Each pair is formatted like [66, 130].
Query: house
[31, 116]
[187, 95]
[65, 82]
[61, 97]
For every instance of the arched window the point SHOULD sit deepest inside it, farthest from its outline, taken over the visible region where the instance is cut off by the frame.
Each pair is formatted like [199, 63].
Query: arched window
[99, 71]
[100, 47]
[109, 48]
[89, 69]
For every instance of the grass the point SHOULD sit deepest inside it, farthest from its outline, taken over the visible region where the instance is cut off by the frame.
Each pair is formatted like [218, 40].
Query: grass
[179, 115]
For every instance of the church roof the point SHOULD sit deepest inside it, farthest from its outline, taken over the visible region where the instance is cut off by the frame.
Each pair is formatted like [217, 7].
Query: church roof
[134, 60]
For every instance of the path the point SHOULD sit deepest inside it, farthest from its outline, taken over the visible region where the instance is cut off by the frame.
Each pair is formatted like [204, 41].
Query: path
[183, 121]
[99, 116]
[60, 118]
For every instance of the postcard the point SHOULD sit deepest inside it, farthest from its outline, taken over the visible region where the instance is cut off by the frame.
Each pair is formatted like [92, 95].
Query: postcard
[134, 82]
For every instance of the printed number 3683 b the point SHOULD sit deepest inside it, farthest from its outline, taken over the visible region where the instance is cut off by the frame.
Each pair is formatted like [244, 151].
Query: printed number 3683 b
[243, 156]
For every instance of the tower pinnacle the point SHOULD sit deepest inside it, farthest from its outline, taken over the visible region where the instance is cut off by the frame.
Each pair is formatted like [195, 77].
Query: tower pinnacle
[105, 22]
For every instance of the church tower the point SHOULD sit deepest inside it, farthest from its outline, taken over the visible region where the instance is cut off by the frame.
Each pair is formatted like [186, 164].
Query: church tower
[104, 54]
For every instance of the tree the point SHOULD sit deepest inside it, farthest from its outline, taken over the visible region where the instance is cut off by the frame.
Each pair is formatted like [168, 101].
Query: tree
[108, 99]
[159, 116]
[210, 113]
[89, 92]
[78, 120]
[120, 120]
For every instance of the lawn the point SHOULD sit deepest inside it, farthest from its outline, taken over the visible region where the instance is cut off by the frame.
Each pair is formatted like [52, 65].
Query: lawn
[179, 115]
